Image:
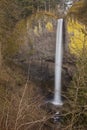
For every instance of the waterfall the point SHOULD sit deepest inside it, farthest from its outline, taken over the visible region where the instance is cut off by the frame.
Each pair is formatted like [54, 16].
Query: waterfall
[58, 64]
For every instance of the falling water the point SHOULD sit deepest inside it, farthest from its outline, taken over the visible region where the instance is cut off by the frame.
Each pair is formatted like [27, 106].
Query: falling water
[58, 64]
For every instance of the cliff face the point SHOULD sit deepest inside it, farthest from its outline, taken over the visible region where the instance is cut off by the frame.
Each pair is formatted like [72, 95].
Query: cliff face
[35, 40]
[28, 71]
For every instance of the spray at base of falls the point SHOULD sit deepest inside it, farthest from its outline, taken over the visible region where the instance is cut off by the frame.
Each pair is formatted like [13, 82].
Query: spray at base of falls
[58, 64]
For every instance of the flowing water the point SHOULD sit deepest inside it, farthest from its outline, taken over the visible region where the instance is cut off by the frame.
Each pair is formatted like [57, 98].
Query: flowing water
[58, 63]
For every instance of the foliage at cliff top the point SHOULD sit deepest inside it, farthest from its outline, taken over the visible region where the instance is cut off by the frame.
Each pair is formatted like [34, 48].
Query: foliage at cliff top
[79, 11]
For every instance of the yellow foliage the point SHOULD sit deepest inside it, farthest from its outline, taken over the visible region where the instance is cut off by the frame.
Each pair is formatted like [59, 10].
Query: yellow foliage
[36, 30]
[77, 36]
[49, 26]
[40, 28]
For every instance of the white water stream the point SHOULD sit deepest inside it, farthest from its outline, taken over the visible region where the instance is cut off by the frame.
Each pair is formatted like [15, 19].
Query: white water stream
[58, 64]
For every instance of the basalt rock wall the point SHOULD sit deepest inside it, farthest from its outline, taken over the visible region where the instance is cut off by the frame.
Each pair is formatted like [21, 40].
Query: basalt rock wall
[36, 41]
